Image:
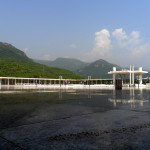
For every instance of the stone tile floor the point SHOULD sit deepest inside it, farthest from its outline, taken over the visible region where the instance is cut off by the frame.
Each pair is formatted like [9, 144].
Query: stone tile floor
[75, 122]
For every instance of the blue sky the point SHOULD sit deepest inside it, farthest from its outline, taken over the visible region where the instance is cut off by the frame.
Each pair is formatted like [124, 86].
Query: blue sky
[114, 30]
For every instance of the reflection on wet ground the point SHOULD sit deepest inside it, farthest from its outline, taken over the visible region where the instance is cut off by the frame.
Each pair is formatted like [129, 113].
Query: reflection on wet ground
[75, 119]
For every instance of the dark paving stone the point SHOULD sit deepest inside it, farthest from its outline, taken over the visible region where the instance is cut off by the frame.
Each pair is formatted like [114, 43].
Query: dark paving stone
[42, 121]
[6, 145]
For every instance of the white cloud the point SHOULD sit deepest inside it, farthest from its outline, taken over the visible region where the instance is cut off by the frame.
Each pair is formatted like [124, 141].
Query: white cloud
[119, 34]
[73, 46]
[139, 51]
[135, 34]
[123, 40]
[118, 47]
[46, 57]
[131, 48]
[102, 45]
[135, 37]
[102, 42]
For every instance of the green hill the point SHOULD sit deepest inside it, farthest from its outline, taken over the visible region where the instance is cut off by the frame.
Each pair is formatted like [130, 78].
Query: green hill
[97, 69]
[14, 63]
[66, 63]
[7, 51]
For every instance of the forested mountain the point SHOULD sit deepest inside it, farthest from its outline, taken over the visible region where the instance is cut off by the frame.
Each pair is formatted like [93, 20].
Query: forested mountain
[97, 69]
[66, 63]
[7, 51]
[14, 62]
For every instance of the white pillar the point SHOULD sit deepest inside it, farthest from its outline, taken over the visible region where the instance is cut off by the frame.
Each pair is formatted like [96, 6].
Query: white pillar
[140, 68]
[114, 78]
[0, 81]
[140, 78]
[133, 75]
[8, 81]
[140, 75]
[114, 68]
[15, 81]
[130, 76]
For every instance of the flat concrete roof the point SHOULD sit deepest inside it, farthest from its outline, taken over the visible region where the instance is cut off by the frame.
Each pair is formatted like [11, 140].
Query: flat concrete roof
[127, 72]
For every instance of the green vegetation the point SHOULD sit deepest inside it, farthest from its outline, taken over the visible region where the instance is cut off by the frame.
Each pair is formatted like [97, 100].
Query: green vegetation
[97, 69]
[15, 63]
[7, 51]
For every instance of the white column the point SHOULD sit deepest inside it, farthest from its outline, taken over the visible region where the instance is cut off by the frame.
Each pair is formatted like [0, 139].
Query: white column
[8, 81]
[140, 75]
[114, 68]
[0, 81]
[15, 81]
[133, 75]
[140, 78]
[130, 76]
[114, 78]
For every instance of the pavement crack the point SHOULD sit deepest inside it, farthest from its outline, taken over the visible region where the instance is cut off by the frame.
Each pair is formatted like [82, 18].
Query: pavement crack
[12, 143]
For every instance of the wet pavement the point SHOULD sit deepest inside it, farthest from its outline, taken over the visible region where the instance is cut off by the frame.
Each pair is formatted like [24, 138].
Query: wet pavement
[75, 119]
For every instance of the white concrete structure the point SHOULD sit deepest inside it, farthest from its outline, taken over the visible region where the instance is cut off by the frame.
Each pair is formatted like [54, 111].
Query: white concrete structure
[130, 72]
[19, 81]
